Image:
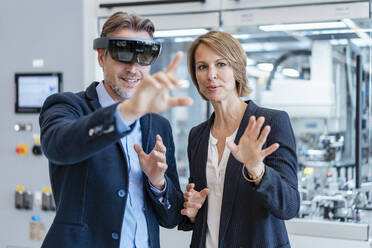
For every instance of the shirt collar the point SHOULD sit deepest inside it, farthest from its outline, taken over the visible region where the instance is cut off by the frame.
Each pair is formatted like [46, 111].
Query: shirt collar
[103, 96]
[106, 100]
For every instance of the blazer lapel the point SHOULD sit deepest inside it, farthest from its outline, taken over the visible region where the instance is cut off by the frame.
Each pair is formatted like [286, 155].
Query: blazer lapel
[232, 177]
[199, 163]
[146, 123]
[91, 95]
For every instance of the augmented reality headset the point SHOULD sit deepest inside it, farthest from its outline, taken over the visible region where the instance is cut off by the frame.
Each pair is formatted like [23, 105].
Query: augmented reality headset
[127, 50]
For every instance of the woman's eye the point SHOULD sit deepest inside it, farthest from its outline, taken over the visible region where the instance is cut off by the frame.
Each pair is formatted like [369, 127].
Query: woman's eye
[221, 64]
[201, 67]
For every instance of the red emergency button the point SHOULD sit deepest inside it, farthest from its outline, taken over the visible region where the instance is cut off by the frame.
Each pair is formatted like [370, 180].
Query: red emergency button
[22, 149]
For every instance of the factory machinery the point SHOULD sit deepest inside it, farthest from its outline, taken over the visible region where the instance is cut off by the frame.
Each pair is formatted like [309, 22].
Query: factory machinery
[334, 174]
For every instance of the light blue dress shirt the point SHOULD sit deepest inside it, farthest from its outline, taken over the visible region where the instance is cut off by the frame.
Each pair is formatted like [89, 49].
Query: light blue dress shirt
[134, 231]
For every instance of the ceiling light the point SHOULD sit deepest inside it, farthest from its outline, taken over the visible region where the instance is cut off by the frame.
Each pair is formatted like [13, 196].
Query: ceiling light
[265, 46]
[290, 72]
[242, 36]
[362, 42]
[183, 39]
[180, 32]
[265, 66]
[184, 83]
[302, 26]
[338, 42]
[332, 31]
[356, 28]
[250, 61]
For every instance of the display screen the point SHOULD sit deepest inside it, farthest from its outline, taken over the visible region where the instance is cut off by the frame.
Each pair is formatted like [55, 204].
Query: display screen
[33, 89]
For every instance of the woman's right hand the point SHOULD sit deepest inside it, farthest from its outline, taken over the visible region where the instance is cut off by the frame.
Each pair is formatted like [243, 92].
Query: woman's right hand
[194, 200]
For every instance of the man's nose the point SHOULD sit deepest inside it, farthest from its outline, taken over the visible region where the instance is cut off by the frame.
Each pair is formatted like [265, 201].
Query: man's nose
[131, 67]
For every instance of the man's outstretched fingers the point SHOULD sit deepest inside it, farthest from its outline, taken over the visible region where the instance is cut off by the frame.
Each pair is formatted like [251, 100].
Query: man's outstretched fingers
[159, 146]
[174, 80]
[139, 150]
[180, 102]
[164, 80]
[172, 67]
[162, 166]
[150, 80]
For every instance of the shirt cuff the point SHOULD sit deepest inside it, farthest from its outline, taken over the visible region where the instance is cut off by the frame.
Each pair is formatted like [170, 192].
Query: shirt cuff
[158, 192]
[122, 125]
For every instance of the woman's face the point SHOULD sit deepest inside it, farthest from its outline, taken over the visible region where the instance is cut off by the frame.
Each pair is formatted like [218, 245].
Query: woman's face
[214, 74]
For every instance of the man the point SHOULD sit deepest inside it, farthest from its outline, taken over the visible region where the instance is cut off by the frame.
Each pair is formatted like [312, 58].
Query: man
[113, 178]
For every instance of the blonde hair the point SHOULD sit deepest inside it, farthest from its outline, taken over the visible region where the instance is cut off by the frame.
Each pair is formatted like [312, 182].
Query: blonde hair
[231, 50]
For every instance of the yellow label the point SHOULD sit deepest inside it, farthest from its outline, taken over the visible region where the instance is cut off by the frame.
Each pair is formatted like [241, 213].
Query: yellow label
[308, 171]
[47, 190]
[20, 188]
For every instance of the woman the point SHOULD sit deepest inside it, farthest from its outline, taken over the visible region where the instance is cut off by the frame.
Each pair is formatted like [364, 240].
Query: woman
[252, 192]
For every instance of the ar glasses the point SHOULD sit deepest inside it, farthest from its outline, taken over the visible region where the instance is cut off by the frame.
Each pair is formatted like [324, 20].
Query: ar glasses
[128, 50]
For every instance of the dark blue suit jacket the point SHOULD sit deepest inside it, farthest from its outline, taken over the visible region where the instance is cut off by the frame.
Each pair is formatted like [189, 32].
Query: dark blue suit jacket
[89, 174]
[250, 216]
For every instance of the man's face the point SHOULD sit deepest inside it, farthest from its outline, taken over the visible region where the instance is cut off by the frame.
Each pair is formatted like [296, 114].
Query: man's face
[121, 79]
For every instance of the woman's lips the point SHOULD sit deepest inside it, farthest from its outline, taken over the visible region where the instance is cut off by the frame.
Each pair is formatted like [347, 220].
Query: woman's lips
[213, 88]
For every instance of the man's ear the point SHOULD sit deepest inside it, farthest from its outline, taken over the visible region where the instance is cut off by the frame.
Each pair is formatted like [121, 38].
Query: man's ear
[101, 57]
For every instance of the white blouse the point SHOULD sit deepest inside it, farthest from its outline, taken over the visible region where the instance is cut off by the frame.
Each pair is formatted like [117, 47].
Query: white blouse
[215, 182]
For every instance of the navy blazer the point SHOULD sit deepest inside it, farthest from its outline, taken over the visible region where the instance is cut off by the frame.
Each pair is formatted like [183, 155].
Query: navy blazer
[250, 216]
[89, 174]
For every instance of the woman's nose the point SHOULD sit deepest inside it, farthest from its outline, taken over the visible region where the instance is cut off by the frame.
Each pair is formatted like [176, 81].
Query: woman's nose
[212, 75]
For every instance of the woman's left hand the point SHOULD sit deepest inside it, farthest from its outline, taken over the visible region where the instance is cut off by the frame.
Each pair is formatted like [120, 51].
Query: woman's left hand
[249, 150]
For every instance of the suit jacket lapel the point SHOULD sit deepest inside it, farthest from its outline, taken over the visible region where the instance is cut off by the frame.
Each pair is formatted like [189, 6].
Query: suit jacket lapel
[232, 177]
[91, 95]
[146, 123]
[202, 149]
[199, 163]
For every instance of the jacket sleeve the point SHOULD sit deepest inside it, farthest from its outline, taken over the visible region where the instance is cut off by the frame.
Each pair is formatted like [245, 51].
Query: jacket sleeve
[71, 132]
[168, 207]
[278, 188]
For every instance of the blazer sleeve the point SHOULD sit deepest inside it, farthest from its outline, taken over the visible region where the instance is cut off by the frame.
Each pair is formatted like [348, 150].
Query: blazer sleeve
[71, 132]
[278, 189]
[167, 208]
